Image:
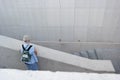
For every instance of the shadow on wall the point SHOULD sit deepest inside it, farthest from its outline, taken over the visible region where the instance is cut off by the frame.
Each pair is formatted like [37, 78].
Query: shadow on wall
[102, 54]
[90, 54]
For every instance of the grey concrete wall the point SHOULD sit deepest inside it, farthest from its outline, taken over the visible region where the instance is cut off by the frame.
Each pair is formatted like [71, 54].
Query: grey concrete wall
[72, 47]
[68, 20]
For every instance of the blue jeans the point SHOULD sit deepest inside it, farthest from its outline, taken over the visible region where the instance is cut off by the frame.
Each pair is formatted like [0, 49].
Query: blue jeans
[33, 66]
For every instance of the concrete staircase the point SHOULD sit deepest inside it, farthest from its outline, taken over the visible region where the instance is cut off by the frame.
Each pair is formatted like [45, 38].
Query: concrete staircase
[62, 57]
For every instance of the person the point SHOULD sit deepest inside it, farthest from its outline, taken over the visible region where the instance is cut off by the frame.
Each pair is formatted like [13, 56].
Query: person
[32, 64]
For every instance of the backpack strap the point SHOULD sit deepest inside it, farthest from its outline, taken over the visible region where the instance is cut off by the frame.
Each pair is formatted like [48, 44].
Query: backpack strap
[29, 47]
[25, 48]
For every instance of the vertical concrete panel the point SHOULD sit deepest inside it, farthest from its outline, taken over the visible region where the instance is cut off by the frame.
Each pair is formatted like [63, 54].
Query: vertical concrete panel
[96, 17]
[53, 17]
[45, 34]
[94, 34]
[52, 4]
[108, 34]
[13, 31]
[67, 33]
[67, 3]
[82, 3]
[116, 33]
[40, 34]
[117, 4]
[81, 17]
[108, 18]
[42, 18]
[98, 4]
[116, 18]
[110, 4]
[66, 17]
[53, 34]
[111, 18]
[81, 33]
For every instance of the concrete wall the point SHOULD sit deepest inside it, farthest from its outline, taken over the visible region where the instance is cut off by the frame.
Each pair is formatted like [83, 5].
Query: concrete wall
[66, 20]
[72, 47]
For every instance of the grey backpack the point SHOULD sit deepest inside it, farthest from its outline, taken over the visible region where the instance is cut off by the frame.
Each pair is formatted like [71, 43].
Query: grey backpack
[26, 56]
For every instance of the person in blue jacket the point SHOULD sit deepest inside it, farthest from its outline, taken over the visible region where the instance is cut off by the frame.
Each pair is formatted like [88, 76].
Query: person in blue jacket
[33, 63]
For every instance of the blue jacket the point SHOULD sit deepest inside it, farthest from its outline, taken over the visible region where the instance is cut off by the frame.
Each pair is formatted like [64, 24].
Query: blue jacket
[32, 53]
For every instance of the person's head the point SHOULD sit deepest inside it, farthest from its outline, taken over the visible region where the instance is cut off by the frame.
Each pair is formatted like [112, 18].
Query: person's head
[26, 38]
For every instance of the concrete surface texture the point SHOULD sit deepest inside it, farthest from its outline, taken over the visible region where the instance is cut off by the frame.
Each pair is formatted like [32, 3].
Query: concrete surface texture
[112, 54]
[93, 65]
[64, 20]
[8, 74]
[72, 47]
[91, 50]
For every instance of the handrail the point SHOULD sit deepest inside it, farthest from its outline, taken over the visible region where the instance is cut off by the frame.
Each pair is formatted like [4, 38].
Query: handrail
[95, 65]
